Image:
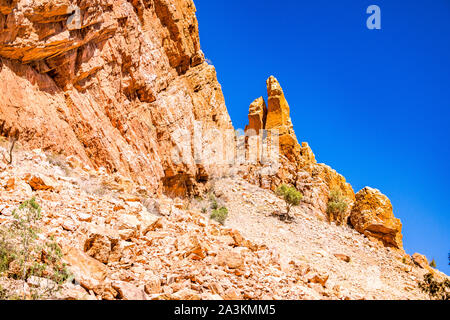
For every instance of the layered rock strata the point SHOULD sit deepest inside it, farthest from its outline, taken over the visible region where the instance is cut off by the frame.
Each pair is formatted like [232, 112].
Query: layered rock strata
[115, 83]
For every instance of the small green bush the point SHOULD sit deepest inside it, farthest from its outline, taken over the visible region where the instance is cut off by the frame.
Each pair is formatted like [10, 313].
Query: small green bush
[220, 215]
[337, 207]
[433, 264]
[291, 196]
[214, 205]
[435, 289]
[23, 254]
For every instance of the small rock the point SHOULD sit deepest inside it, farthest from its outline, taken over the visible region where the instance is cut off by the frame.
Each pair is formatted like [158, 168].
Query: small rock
[86, 217]
[153, 285]
[10, 183]
[420, 260]
[231, 258]
[40, 182]
[231, 294]
[342, 257]
[128, 291]
[315, 277]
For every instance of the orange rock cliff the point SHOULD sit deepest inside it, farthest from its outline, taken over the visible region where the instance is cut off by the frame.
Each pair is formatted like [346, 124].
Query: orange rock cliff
[114, 82]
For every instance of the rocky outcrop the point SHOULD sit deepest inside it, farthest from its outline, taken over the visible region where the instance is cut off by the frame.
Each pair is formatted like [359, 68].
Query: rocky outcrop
[369, 212]
[257, 116]
[372, 215]
[294, 164]
[279, 119]
[113, 83]
[421, 260]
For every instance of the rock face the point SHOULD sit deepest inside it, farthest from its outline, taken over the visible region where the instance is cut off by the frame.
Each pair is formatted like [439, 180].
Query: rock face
[257, 116]
[278, 118]
[295, 163]
[369, 212]
[112, 82]
[372, 215]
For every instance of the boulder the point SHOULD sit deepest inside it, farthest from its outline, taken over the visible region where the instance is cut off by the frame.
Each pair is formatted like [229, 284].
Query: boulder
[152, 285]
[128, 291]
[372, 216]
[40, 182]
[99, 247]
[88, 271]
[190, 246]
[421, 260]
[232, 258]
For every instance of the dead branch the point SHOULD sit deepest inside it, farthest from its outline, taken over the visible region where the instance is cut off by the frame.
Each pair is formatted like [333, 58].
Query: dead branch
[12, 141]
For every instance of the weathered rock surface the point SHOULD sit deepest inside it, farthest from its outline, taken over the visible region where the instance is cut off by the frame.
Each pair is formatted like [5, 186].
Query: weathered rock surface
[184, 255]
[279, 119]
[112, 82]
[257, 116]
[372, 215]
[123, 87]
[295, 164]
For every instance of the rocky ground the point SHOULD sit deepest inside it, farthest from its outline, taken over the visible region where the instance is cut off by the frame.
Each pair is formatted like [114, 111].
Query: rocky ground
[120, 243]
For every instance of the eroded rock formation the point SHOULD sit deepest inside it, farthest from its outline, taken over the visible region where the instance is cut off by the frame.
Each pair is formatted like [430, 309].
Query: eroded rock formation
[112, 82]
[372, 215]
[370, 212]
[295, 163]
[279, 119]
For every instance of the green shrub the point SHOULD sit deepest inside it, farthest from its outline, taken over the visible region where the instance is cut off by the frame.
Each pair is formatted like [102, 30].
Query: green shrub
[23, 254]
[214, 205]
[290, 195]
[436, 290]
[220, 215]
[433, 264]
[213, 201]
[337, 207]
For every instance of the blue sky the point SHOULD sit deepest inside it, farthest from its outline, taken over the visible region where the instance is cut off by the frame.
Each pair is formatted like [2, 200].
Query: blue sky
[373, 104]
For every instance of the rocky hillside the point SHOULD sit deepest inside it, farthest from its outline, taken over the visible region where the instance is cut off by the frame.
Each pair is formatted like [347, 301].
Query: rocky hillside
[120, 244]
[123, 138]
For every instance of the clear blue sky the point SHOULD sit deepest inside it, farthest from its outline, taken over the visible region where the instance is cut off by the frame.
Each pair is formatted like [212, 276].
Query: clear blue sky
[373, 104]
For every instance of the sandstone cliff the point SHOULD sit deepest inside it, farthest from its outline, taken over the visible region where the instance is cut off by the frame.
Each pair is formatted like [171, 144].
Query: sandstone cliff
[112, 82]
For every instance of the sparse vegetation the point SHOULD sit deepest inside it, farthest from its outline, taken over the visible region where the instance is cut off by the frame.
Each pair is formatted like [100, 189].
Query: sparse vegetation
[337, 207]
[213, 201]
[24, 255]
[433, 263]
[435, 289]
[220, 215]
[291, 196]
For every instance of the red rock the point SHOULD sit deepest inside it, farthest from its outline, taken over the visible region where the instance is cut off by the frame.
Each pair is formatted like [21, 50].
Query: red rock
[10, 183]
[108, 95]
